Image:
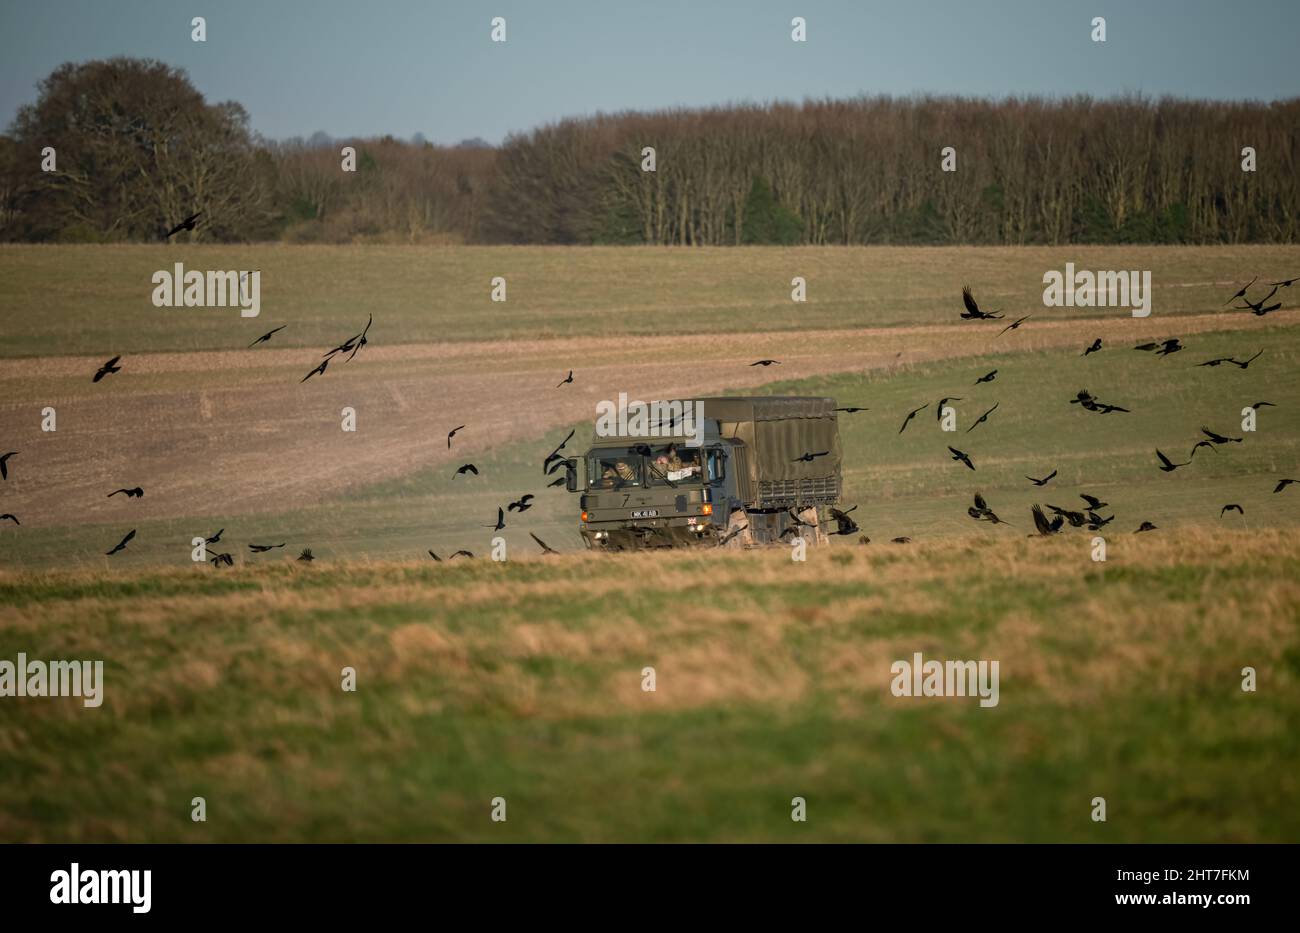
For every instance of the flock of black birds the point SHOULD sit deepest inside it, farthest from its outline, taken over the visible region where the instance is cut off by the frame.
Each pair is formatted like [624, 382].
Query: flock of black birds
[1087, 517]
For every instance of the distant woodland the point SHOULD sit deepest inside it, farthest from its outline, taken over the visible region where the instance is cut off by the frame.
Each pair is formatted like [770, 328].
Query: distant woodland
[136, 148]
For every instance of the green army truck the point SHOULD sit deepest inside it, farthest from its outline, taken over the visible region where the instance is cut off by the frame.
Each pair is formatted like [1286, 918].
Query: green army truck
[742, 471]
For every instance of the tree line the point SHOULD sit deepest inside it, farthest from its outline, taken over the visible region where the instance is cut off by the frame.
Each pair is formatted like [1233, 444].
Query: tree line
[137, 147]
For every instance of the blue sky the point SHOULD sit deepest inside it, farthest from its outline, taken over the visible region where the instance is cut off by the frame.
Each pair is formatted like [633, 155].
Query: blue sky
[402, 67]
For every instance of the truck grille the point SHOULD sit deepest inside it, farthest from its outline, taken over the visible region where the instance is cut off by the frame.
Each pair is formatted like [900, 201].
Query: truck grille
[786, 492]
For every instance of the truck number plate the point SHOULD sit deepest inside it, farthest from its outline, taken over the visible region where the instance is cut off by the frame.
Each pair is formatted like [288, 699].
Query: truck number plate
[645, 513]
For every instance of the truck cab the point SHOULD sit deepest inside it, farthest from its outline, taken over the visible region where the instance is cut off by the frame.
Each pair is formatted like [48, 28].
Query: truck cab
[741, 473]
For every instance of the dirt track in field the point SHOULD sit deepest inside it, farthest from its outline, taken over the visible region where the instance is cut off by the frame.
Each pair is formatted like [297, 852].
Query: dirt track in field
[234, 432]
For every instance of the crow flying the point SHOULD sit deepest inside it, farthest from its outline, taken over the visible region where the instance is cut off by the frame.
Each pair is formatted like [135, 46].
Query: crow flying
[306, 555]
[452, 433]
[501, 520]
[10, 516]
[121, 544]
[938, 412]
[1241, 292]
[267, 336]
[1197, 446]
[260, 548]
[134, 493]
[4, 464]
[963, 457]
[973, 312]
[852, 410]
[1093, 501]
[843, 524]
[912, 414]
[807, 457]
[1258, 405]
[1286, 283]
[522, 504]
[567, 380]
[215, 538]
[1044, 481]
[461, 553]
[546, 549]
[1232, 507]
[1245, 364]
[1096, 345]
[1283, 483]
[554, 454]
[319, 369]
[982, 418]
[466, 468]
[1218, 438]
[1167, 465]
[434, 556]
[1258, 306]
[1043, 525]
[1145, 526]
[1015, 325]
[1170, 346]
[219, 559]
[987, 377]
[765, 363]
[109, 367]
[189, 223]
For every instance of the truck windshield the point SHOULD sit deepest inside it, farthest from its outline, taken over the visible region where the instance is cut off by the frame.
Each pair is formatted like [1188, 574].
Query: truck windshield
[614, 468]
[674, 465]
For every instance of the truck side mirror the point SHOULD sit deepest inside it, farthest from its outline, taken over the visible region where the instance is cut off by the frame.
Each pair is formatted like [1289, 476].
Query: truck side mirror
[572, 481]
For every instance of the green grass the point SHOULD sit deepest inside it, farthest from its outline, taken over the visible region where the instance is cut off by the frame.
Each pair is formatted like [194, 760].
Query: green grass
[434, 294]
[522, 680]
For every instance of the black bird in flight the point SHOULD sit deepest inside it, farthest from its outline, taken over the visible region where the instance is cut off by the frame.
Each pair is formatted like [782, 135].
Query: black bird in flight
[963, 457]
[121, 545]
[219, 559]
[4, 464]
[1218, 438]
[108, 368]
[1170, 346]
[1015, 325]
[522, 504]
[1076, 519]
[434, 556]
[134, 493]
[1093, 502]
[852, 410]
[981, 512]
[973, 312]
[902, 539]
[466, 468]
[11, 517]
[1232, 507]
[566, 462]
[1241, 292]
[1258, 306]
[557, 482]
[1197, 446]
[766, 363]
[567, 380]
[1096, 345]
[353, 343]
[987, 377]
[1245, 364]
[1286, 283]
[982, 418]
[189, 223]
[451, 434]
[912, 414]
[461, 553]
[319, 369]
[807, 457]
[546, 549]
[260, 548]
[214, 539]
[1096, 522]
[1283, 483]
[1044, 481]
[267, 336]
[1167, 465]
[1043, 525]
[1145, 526]
[938, 412]
[306, 555]
[844, 525]
[1258, 405]
[555, 454]
[501, 520]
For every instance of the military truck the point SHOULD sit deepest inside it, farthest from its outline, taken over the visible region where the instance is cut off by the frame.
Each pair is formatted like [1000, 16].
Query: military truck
[742, 471]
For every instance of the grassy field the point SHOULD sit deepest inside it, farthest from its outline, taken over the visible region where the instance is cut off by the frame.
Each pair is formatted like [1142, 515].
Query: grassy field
[523, 680]
[1120, 679]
